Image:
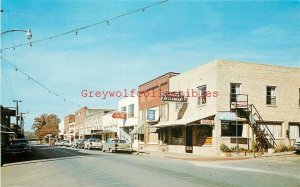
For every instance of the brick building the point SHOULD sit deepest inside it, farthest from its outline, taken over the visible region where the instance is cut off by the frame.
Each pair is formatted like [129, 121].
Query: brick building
[151, 108]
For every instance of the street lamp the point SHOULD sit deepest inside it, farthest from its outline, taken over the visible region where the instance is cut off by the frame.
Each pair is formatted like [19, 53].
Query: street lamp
[28, 32]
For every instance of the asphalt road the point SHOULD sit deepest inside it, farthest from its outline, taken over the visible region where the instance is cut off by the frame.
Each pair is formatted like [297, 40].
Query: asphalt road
[56, 166]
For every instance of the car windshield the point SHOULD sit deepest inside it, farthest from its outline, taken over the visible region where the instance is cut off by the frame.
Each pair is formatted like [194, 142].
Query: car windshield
[20, 142]
[122, 141]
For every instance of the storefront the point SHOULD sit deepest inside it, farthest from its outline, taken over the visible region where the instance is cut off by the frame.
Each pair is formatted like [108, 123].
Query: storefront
[186, 135]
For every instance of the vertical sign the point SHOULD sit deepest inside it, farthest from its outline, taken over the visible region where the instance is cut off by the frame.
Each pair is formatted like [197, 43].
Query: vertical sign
[150, 115]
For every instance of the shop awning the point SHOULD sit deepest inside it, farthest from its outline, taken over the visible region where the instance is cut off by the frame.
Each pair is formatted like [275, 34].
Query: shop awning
[178, 122]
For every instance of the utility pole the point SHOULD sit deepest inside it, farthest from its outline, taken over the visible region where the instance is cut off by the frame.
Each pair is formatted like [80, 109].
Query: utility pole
[17, 111]
[22, 122]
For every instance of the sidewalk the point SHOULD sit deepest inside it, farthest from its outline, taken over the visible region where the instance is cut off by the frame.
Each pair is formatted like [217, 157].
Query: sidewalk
[194, 157]
[188, 156]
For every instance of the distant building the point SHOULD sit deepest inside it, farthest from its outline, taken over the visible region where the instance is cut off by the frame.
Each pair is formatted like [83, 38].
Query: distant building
[61, 130]
[94, 123]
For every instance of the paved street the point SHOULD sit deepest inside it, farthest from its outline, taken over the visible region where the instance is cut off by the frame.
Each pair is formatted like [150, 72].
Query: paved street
[59, 166]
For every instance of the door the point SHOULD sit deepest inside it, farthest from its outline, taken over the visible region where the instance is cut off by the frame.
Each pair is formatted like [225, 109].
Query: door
[189, 140]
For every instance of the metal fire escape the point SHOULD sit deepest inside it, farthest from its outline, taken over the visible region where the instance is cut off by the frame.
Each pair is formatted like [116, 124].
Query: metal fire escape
[263, 136]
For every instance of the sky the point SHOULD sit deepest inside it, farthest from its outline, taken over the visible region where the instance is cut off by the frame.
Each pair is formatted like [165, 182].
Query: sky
[175, 36]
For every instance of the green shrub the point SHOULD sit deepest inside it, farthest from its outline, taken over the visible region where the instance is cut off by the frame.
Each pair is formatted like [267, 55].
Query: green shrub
[283, 148]
[224, 148]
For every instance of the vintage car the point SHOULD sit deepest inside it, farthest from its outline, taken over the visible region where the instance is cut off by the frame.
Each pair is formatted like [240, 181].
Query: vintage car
[65, 143]
[76, 143]
[297, 145]
[115, 144]
[92, 143]
[81, 144]
[18, 146]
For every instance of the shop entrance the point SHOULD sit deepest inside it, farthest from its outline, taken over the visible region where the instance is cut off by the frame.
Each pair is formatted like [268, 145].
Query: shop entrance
[189, 140]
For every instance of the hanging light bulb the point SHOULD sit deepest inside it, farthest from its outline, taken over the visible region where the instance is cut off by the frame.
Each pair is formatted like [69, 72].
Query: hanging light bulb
[29, 34]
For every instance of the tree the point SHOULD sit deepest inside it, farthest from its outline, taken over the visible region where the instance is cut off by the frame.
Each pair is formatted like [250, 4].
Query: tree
[45, 124]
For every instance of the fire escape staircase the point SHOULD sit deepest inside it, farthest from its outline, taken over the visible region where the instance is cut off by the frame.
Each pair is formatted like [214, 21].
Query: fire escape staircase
[124, 135]
[263, 136]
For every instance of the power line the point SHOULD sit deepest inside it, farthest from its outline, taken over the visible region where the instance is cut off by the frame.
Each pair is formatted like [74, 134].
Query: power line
[37, 82]
[107, 21]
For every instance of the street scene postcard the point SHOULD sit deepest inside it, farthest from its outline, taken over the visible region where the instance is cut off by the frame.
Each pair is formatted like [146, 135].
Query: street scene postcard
[150, 93]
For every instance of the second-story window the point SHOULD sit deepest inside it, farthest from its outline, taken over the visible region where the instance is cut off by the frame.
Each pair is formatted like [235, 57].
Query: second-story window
[271, 95]
[130, 111]
[123, 109]
[235, 89]
[202, 95]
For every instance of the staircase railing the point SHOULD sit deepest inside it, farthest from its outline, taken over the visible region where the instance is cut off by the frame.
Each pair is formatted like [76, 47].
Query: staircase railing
[124, 135]
[255, 112]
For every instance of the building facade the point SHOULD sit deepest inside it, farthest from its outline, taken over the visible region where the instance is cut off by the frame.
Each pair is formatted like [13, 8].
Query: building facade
[129, 125]
[230, 103]
[94, 123]
[151, 109]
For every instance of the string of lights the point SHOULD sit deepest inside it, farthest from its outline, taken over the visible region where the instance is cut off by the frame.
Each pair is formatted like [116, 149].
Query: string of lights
[38, 83]
[107, 21]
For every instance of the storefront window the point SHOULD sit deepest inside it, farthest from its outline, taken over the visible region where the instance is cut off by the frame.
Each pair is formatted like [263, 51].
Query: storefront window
[177, 136]
[203, 135]
[164, 135]
[231, 129]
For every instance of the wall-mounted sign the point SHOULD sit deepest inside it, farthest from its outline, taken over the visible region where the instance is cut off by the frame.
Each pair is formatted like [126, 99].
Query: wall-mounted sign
[206, 122]
[150, 115]
[120, 115]
[173, 97]
[229, 116]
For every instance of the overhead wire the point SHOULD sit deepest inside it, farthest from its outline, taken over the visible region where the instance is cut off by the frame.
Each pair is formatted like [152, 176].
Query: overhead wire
[37, 82]
[106, 21]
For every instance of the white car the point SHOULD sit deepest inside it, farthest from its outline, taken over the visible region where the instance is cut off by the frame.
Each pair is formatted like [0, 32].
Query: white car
[115, 144]
[93, 143]
[297, 145]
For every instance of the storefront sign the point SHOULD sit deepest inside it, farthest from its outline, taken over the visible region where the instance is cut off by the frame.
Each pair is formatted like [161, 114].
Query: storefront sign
[206, 122]
[120, 115]
[229, 116]
[173, 97]
[150, 115]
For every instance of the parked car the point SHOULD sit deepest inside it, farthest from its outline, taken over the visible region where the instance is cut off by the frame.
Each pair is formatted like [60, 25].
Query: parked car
[18, 146]
[81, 144]
[65, 143]
[76, 143]
[93, 143]
[57, 143]
[297, 145]
[115, 144]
